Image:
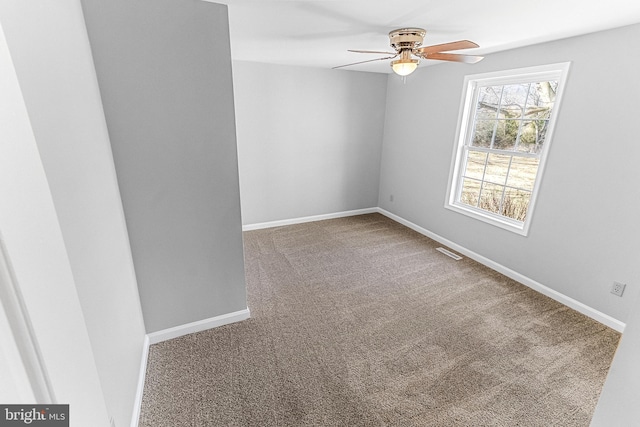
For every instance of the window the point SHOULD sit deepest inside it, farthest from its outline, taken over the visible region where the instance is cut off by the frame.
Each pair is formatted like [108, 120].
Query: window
[504, 134]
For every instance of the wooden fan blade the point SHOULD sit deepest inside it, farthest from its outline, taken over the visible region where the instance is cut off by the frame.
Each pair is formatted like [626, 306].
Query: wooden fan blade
[371, 51]
[467, 59]
[461, 44]
[363, 62]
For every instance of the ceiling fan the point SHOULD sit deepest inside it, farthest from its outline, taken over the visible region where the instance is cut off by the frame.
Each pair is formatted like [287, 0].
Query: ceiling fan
[407, 42]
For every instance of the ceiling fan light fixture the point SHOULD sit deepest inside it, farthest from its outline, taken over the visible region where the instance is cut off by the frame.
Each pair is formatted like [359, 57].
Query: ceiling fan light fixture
[404, 67]
[407, 44]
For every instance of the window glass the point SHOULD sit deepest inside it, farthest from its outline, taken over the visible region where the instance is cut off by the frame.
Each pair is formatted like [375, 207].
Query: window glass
[509, 117]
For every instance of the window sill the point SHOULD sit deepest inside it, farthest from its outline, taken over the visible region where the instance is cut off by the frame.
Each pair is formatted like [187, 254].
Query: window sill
[521, 228]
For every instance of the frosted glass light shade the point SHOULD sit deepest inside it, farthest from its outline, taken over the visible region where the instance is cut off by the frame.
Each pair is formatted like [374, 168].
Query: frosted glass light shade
[404, 67]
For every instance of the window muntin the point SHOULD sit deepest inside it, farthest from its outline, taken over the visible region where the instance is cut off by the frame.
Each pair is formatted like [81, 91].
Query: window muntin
[503, 137]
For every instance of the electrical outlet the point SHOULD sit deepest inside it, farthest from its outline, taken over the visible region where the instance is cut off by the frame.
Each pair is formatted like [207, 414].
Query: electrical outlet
[618, 288]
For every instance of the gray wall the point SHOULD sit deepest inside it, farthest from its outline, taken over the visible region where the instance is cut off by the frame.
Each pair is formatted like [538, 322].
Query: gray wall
[51, 53]
[164, 70]
[309, 140]
[585, 231]
[618, 404]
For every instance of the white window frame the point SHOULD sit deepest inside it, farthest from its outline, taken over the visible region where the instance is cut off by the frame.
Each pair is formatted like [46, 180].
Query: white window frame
[466, 118]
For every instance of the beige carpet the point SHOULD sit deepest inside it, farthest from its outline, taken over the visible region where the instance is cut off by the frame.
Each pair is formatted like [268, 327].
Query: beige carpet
[360, 322]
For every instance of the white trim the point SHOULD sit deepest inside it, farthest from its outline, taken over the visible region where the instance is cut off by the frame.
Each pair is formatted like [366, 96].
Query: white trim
[237, 316]
[200, 325]
[605, 319]
[137, 404]
[313, 218]
[27, 357]
[465, 126]
[175, 332]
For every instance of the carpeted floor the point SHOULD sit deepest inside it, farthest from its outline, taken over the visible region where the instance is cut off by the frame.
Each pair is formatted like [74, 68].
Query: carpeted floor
[359, 321]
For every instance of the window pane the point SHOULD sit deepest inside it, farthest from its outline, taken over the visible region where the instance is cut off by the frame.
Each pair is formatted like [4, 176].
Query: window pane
[532, 136]
[490, 197]
[515, 204]
[470, 192]
[483, 133]
[541, 99]
[475, 164]
[488, 102]
[497, 168]
[506, 134]
[505, 124]
[513, 101]
[523, 172]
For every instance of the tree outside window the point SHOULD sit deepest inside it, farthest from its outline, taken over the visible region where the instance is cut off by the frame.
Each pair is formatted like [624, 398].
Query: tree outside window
[504, 134]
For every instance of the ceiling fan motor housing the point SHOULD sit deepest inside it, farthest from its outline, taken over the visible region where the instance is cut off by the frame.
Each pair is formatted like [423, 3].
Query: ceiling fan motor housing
[406, 38]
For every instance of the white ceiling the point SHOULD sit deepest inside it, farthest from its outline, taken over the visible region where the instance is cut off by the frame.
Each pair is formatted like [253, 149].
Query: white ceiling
[317, 33]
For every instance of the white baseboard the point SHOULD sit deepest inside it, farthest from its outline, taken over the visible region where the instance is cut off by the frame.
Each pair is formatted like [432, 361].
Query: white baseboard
[200, 325]
[301, 220]
[175, 332]
[520, 278]
[137, 404]
[561, 298]
[237, 316]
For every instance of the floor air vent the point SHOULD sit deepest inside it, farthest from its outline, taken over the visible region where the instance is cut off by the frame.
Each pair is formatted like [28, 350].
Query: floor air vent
[449, 253]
